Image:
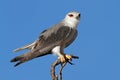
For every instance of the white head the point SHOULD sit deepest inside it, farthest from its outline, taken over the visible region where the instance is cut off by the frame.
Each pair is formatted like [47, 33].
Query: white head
[72, 19]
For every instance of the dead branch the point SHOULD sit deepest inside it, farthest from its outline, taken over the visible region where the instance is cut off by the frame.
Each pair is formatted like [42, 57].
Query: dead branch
[57, 62]
[61, 68]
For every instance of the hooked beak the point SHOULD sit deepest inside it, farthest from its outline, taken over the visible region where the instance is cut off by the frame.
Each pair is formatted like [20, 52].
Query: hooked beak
[78, 17]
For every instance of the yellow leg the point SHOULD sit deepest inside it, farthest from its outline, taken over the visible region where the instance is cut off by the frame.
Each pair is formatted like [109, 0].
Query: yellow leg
[62, 58]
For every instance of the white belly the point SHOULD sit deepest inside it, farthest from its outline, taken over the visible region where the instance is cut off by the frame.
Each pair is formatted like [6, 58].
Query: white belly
[56, 50]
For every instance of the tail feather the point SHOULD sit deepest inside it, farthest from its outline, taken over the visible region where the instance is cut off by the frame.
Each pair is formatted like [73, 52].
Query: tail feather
[19, 59]
[18, 64]
[26, 57]
[16, 59]
[33, 53]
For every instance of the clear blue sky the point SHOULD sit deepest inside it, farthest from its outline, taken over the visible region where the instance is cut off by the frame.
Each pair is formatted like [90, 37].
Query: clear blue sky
[97, 45]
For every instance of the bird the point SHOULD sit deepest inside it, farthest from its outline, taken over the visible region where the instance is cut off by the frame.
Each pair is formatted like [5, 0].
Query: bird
[52, 40]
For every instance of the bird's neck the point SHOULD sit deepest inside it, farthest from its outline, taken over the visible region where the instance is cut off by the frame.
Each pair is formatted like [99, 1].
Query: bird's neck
[72, 23]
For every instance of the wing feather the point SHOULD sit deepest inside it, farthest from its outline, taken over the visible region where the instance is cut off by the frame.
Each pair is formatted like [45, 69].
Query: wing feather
[53, 37]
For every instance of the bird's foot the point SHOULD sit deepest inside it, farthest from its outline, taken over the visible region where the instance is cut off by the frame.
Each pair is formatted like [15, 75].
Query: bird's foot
[68, 57]
[62, 58]
[65, 58]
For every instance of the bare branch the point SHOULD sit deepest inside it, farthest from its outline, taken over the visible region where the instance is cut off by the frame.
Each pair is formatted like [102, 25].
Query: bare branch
[61, 68]
[57, 62]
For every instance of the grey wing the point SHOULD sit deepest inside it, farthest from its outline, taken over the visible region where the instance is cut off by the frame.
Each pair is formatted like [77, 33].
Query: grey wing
[52, 37]
[72, 37]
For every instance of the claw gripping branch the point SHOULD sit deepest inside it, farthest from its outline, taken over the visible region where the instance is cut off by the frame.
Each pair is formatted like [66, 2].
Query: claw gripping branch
[57, 62]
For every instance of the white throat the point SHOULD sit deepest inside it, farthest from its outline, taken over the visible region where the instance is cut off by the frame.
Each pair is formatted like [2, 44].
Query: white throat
[72, 23]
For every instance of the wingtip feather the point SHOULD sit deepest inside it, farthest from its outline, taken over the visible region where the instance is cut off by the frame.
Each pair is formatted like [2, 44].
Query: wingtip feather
[18, 64]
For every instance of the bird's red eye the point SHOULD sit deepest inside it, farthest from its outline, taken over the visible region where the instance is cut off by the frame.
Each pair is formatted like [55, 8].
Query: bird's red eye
[70, 15]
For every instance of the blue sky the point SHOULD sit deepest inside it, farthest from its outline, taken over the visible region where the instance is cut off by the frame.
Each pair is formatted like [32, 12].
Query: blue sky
[97, 45]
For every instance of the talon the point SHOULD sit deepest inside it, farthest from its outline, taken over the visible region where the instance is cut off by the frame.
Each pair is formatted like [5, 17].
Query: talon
[62, 58]
[65, 58]
[69, 57]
